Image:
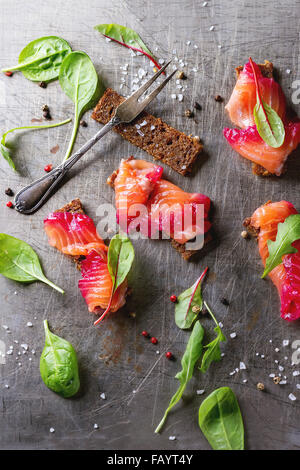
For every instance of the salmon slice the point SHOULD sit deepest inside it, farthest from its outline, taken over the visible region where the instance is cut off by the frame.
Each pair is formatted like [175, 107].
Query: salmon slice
[151, 204]
[243, 99]
[249, 144]
[286, 276]
[73, 234]
[96, 285]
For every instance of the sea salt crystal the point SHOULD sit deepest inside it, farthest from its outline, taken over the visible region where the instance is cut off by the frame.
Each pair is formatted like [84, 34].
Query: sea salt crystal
[272, 376]
[277, 350]
[188, 43]
[221, 324]
[24, 346]
[288, 71]
[172, 438]
[262, 356]
[232, 335]
[152, 128]
[183, 167]
[292, 397]
[144, 123]
[6, 386]
[245, 381]
[204, 4]
[29, 324]
[283, 382]
[140, 133]
[107, 39]
[9, 352]
[276, 362]
[195, 46]
[137, 126]
[285, 342]
[180, 97]
[103, 396]
[298, 386]
[161, 61]
[211, 28]
[141, 73]
[200, 392]
[157, 352]
[96, 426]
[296, 373]
[232, 373]
[243, 366]
[173, 96]
[270, 341]
[51, 430]
[5, 327]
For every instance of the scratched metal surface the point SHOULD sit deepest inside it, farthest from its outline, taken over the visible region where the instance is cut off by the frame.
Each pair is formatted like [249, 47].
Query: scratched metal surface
[114, 358]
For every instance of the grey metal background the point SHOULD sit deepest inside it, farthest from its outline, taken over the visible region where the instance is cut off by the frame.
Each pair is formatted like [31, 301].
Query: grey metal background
[114, 358]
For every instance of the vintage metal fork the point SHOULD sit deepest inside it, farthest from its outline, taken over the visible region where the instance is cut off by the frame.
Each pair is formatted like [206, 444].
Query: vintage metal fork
[33, 196]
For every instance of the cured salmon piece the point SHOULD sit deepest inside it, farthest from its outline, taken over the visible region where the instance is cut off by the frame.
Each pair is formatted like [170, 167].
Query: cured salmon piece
[243, 99]
[73, 234]
[96, 285]
[249, 144]
[286, 276]
[145, 200]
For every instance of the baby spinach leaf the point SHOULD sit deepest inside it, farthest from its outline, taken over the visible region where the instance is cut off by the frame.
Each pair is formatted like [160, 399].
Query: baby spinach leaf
[186, 301]
[269, 125]
[79, 80]
[5, 151]
[192, 354]
[18, 261]
[119, 261]
[58, 365]
[41, 59]
[212, 352]
[287, 233]
[126, 37]
[221, 421]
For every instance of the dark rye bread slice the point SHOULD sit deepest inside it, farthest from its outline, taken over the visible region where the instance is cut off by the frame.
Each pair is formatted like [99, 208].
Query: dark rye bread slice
[186, 254]
[157, 138]
[74, 207]
[267, 71]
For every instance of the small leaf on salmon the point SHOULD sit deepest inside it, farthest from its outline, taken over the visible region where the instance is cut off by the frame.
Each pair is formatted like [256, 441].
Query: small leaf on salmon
[126, 37]
[288, 232]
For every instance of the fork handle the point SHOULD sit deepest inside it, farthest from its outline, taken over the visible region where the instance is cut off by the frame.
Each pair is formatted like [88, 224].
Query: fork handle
[33, 196]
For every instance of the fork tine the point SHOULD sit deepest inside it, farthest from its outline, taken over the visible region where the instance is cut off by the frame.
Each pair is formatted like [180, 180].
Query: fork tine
[155, 92]
[145, 87]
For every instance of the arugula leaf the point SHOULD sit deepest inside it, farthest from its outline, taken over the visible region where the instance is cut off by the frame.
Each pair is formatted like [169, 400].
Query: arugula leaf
[221, 421]
[269, 125]
[18, 261]
[186, 301]
[41, 59]
[58, 365]
[287, 233]
[192, 354]
[5, 151]
[126, 37]
[120, 257]
[79, 80]
[212, 350]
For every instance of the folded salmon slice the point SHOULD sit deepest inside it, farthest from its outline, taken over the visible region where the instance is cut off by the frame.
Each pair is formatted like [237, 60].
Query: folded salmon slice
[73, 234]
[96, 285]
[243, 99]
[249, 144]
[145, 200]
[285, 276]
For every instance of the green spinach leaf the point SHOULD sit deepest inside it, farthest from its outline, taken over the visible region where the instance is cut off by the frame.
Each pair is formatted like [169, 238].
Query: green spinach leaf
[41, 59]
[269, 125]
[58, 365]
[212, 352]
[221, 421]
[126, 37]
[5, 151]
[287, 233]
[192, 354]
[18, 261]
[187, 301]
[79, 80]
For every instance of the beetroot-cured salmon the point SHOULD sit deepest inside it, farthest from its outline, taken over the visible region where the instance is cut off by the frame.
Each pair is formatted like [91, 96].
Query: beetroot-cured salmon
[249, 144]
[285, 276]
[243, 99]
[73, 234]
[96, 285]
[158, 205]
[252, 87]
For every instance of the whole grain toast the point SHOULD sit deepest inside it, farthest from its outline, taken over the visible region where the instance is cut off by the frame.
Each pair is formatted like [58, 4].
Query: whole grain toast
[151, 134]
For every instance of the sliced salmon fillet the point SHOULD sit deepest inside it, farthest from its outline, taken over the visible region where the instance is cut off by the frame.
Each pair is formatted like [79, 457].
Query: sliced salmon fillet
[243, 99]
[96, 285]
[285, 276]
[160, 204]
[249, 144]
[73, 234]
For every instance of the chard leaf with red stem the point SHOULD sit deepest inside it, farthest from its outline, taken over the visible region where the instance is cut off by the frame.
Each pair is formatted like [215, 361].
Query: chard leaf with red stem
[126, 37]
[269, 125]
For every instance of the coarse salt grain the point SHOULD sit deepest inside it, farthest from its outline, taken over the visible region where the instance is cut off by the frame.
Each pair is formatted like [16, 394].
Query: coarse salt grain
[5, 327]
[298, 386]
[277, 349]
[180, 97]
[29, 324]
[51, 430]
[211, 28]
[243, 366]
[173, 96]
[232, 335]
[103, 396]
[172, 438]
[96, 426]
[292, 397]
[245, 381]
[200, 392]
[285, 342]
[296, 373]
[152, 128]
[288, 71]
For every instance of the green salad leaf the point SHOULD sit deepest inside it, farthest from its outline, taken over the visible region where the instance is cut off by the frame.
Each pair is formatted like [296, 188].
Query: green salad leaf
[5, 151]
[221, 421]
[212, 352]
[41, 59]
[188, 304]
[269, 125]
[18, 261]
[126, 37]
[287, 233]
[192, 354]
[79, 80]
[58, 365]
